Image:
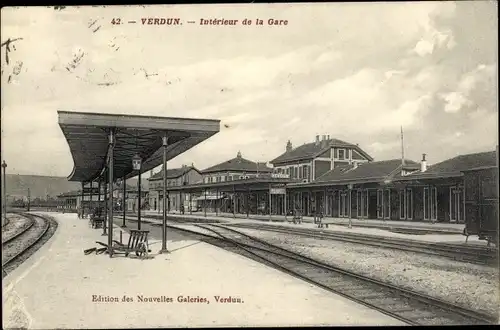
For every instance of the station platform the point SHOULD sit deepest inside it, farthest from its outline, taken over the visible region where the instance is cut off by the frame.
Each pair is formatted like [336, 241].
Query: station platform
[438, 228]
[61, 288]
[449, 233]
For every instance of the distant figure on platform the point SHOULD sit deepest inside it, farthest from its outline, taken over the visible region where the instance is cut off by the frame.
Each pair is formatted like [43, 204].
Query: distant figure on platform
[182, 208]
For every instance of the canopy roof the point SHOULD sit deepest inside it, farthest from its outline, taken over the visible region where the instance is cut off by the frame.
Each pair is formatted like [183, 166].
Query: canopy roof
[87, 135]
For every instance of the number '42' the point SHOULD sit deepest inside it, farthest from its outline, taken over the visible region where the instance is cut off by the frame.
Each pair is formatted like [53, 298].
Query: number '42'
[115, 21]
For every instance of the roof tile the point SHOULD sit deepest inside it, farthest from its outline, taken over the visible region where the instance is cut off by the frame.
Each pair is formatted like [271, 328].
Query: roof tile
[239, 164]
[309, 150]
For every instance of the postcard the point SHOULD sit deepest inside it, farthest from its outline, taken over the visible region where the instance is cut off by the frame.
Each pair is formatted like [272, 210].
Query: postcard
[250, 165]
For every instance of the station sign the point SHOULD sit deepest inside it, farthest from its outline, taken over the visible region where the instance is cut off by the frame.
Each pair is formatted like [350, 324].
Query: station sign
[277, 191]
[280, 176]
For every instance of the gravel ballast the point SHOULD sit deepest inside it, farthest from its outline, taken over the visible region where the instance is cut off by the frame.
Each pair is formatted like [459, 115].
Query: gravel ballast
[468, 285]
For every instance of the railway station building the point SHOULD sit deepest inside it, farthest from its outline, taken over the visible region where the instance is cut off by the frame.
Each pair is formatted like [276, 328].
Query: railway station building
[338, 179]
[310, 161]
[182, 176]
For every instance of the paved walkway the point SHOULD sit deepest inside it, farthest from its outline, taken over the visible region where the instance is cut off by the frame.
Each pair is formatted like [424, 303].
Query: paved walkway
[60, 287]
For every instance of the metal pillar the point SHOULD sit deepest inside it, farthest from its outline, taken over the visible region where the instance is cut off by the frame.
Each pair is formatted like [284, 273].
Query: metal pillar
[350, 207]
[106, 199]
[110, 179]
[234, 202]
[91, 196]
[248, 203]
[124, 205]
[190, 202]
[285, 207]
[4, 192]
[217, 202]
[164, 222]
[81, 201]
[205, 203]
[99, 193]
[29, 199]
[269, 202]
[139, 201]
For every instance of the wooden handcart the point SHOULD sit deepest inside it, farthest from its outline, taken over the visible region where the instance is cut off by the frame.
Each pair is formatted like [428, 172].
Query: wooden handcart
[137, 242]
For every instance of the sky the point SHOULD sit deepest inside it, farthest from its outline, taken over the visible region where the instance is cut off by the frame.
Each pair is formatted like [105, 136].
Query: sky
[354, 71]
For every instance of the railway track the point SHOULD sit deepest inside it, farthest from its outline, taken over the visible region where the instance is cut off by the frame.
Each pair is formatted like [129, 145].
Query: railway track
[24, 243]
[408, 306]
[16, 228]
[472, 254]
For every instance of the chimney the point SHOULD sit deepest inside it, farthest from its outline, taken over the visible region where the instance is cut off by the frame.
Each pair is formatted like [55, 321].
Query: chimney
[317, 139]
[323, 138]
[423, 164]
[289, 146]
[151, 173]
[239, 154]
[328, 137]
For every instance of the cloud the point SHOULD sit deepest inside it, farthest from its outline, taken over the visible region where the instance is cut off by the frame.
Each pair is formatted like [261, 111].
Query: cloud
[457, 100]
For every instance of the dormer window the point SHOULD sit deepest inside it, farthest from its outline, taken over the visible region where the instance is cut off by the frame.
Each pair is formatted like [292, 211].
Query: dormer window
[341, 154]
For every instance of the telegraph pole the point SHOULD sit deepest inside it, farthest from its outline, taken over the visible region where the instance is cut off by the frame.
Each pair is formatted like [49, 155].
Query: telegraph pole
[4, 192]
[29, 199]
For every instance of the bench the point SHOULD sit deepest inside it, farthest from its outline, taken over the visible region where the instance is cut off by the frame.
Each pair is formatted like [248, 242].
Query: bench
[487, 235]
[297, 217]
[96, 222]
[137, 242]
[320, 221]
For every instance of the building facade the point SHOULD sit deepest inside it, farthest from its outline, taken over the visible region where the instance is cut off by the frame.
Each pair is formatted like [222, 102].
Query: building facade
[234, 169]
[176, 177]
[387, 190]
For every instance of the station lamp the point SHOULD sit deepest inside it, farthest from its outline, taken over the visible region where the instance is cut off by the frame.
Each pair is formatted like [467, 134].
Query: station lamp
[136, 162]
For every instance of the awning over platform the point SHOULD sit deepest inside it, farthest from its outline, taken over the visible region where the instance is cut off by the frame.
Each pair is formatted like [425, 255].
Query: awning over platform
[87, 135]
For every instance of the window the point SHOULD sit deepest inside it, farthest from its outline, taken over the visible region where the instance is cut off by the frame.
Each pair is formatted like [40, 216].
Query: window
[218, 179]
[342, 154]
[430, 203]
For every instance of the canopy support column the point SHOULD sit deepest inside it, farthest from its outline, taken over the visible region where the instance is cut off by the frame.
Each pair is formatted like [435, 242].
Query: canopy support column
[248, 203]
[124, 201]
[105, 213]
[164, 222]
[217, 202]
[270, 202]
[139, 193]
[234, 203]
[205, 203]
[80, 211]
[285, 207]
[99, 193]
[91, 197]
[110, 179]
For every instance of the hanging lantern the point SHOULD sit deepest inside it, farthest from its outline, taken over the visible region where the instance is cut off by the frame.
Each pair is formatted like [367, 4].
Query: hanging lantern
[136, 162]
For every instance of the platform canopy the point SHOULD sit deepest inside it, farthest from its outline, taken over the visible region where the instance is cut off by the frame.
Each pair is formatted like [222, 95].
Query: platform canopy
[88, 134]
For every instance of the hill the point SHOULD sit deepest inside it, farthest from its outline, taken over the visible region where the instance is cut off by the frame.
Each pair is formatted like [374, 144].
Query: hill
[39, 186]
